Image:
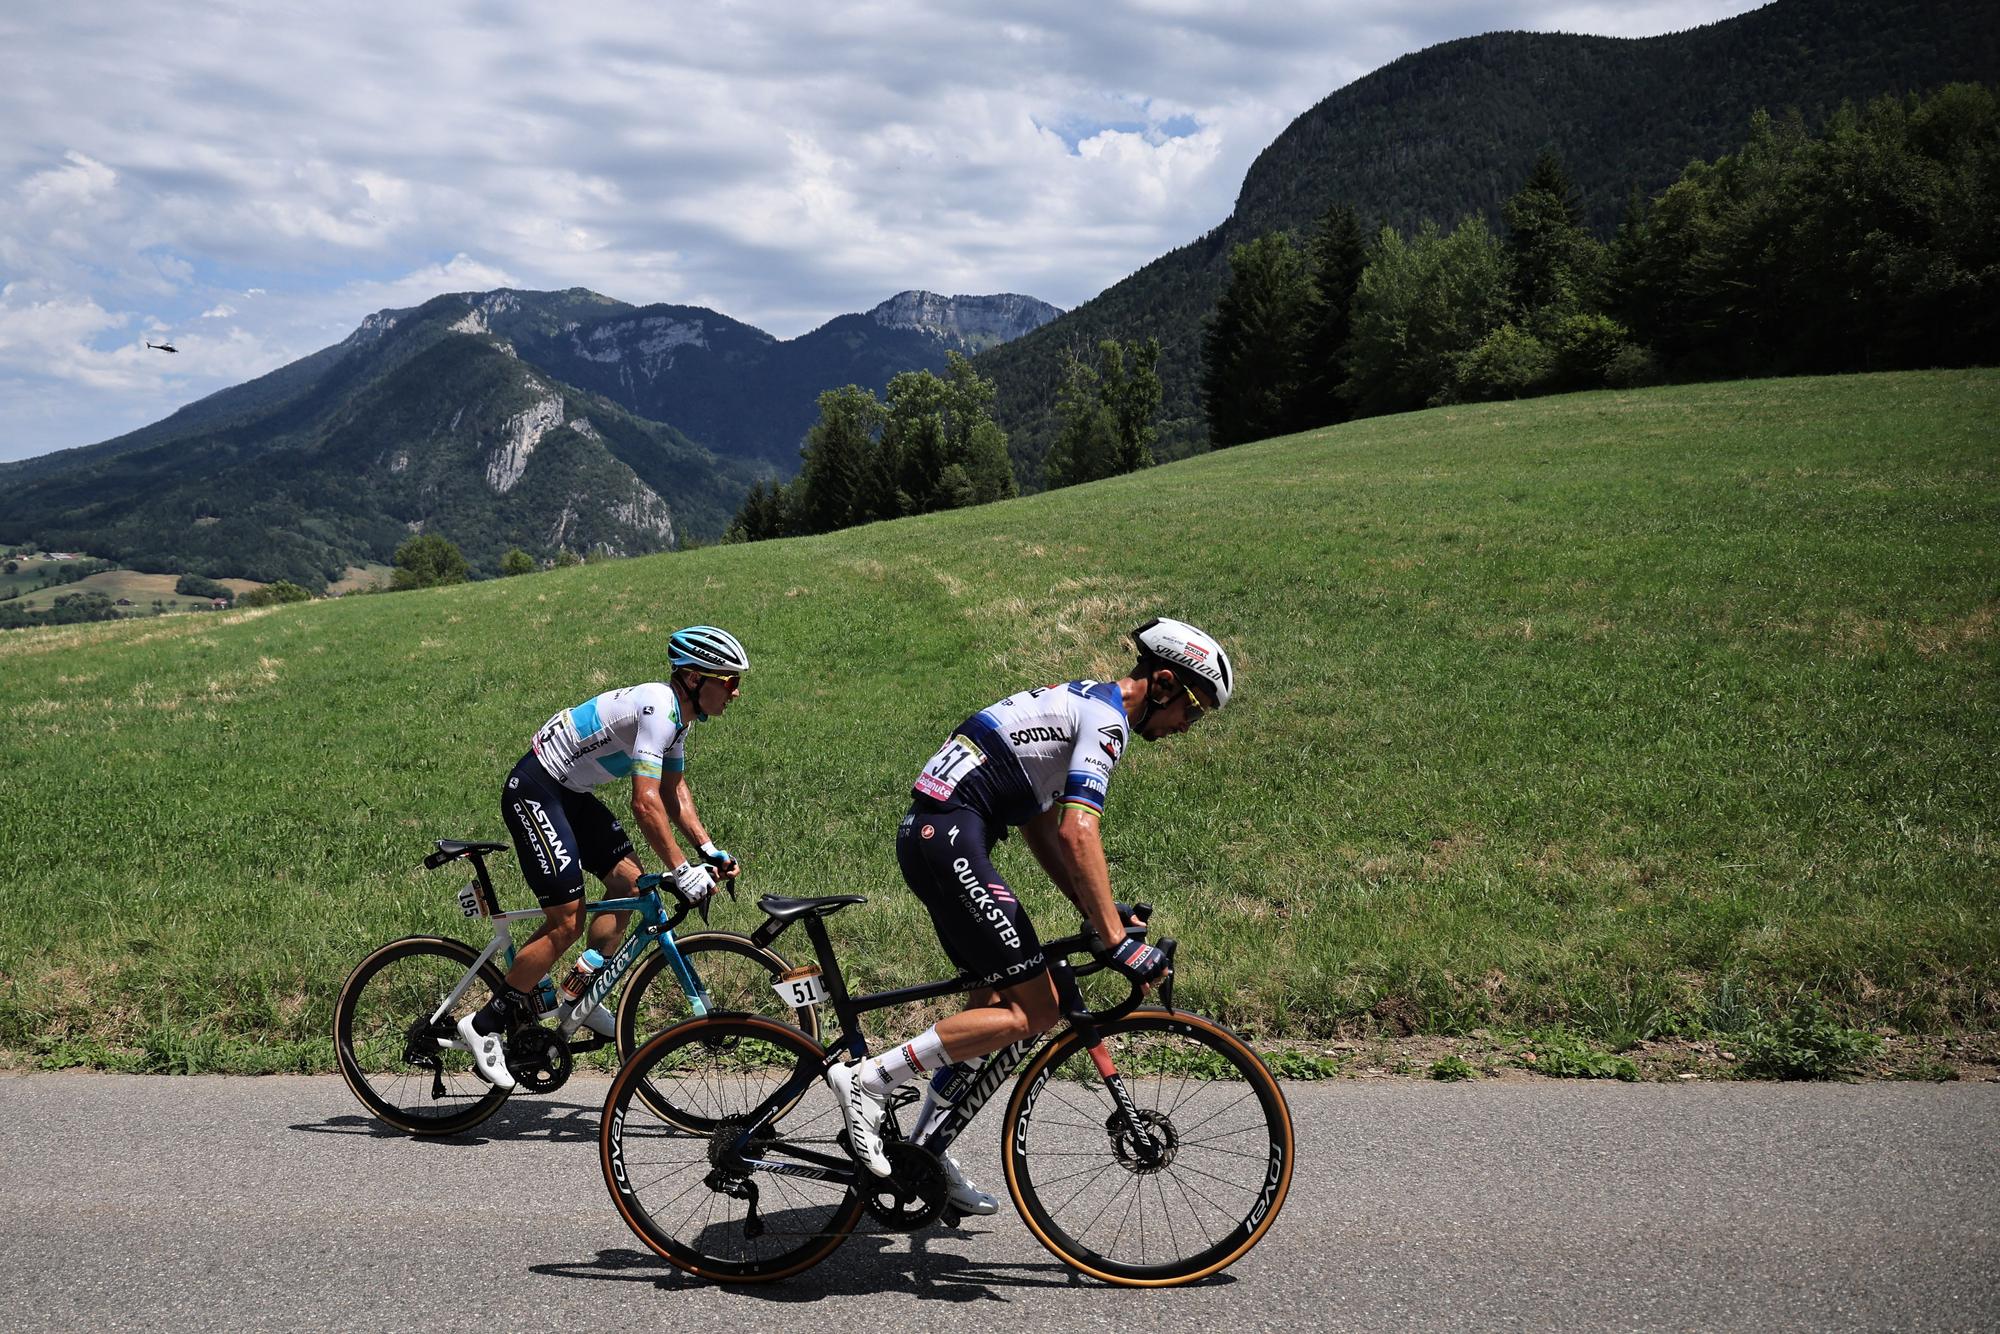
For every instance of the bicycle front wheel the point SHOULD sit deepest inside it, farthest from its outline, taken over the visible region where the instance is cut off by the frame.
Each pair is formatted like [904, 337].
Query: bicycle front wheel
[686, 1194]
[389, 1048]
[735, 976]
[734, 972]
[1181, 1195]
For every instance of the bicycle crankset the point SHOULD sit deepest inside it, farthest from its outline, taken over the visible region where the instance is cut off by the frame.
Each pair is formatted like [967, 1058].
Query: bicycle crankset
[538, 1058]
[1147, 1148]
[912, 1195]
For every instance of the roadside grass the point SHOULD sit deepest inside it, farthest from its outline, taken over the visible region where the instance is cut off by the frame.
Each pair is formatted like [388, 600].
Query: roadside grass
[1610, 713]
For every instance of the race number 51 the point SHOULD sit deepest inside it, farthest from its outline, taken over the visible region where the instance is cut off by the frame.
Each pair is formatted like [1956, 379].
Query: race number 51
[800, 986]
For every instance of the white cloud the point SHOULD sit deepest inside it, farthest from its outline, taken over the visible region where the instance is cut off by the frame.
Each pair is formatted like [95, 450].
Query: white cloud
[305, 165]
[80, 184]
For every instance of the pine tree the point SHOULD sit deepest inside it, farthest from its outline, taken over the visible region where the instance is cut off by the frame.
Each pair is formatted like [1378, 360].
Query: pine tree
[1337, 255]
[1253, 346]
[832, 490]
[1553, 263]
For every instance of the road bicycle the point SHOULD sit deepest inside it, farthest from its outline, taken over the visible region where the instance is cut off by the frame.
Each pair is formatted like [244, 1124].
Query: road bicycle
[1145, 1147]
[395, 1024]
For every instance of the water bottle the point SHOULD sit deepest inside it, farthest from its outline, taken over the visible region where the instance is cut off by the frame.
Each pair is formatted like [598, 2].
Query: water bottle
[579, 977]
[545, 995]
[947, 1087]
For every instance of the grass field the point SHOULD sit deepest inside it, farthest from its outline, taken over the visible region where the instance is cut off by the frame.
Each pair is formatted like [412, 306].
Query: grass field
[141, 589]
[27, 575]
[358, 578]
[1615, 709]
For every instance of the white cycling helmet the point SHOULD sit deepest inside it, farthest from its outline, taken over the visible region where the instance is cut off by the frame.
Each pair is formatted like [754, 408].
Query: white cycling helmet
[1195, 657]
[707, 649]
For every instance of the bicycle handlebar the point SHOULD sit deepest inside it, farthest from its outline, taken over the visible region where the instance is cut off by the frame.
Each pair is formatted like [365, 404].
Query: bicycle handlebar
[1086, 942]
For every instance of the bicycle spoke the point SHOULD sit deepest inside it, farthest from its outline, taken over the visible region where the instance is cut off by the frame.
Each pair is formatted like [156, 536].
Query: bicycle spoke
[1201, 1119]
[684, 1192]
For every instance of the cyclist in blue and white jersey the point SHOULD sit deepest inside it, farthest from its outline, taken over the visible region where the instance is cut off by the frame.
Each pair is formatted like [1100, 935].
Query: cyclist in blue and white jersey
[561, 831]
[1039, 761]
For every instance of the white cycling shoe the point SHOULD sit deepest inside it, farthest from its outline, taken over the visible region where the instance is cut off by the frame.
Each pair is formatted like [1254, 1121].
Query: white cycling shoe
[864, 1112]
[964, 1196]
[600, 1022]
[488, 1056]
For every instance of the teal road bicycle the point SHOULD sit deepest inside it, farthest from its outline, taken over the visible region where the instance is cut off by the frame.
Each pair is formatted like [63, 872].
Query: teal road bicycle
[395, 1026]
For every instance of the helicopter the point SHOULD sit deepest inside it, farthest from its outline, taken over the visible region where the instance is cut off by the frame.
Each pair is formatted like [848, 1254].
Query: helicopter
[167, 346]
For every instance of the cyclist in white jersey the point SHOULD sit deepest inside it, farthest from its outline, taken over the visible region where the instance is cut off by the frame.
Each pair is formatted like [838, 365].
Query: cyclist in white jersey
[561, 830]
[1040, 761]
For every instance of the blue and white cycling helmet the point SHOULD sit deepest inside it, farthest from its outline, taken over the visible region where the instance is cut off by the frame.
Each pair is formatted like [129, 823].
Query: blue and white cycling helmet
[1195, 658]
[707, 649]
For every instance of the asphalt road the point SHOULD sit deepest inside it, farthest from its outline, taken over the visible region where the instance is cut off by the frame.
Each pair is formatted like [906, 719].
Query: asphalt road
[197, 1204]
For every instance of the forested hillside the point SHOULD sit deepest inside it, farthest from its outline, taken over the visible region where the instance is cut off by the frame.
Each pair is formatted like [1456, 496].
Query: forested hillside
[1454, 130]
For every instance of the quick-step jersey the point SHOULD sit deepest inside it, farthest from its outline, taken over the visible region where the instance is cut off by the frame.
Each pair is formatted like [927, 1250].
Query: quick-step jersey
[1014, 760]
[635, 730]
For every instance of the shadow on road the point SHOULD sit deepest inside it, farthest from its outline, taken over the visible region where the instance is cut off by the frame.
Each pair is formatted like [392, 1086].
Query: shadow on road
[869, 1262]
[519, 1120]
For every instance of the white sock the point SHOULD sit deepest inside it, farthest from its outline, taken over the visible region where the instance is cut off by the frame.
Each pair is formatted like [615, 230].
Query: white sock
[899, 1065]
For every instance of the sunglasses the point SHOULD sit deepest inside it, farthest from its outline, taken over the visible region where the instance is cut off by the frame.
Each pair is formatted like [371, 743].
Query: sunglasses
[1195, 707]
[728, 680]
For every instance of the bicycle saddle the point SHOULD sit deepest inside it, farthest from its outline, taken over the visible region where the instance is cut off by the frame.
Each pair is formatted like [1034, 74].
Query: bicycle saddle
[784, 909]
[449, 849]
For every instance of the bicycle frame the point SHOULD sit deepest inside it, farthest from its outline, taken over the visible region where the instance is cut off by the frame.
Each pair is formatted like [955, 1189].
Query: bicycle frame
[655, 926]
[986, 1080]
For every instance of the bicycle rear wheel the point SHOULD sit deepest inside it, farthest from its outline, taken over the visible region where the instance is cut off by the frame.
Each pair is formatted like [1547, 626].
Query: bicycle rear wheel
[389, 1049]
[1187, 1194]
[685, 1194]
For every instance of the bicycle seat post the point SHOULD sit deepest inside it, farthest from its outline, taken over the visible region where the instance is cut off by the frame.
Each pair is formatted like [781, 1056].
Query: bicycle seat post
[831, 978]
[486, 891]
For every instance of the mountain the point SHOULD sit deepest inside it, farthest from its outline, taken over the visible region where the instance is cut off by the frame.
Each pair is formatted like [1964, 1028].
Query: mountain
[497, 419]
[1453, 130]
[748, 395]
[421, 420]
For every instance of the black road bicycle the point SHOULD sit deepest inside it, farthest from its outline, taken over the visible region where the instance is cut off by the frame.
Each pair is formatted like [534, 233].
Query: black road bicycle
[1145, 1147]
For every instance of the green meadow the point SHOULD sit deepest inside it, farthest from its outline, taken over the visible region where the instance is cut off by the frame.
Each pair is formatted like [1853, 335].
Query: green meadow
[1656, 702]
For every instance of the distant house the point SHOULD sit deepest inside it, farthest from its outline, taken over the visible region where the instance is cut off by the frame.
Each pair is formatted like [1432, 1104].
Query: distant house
[124, 602]
[219, 604]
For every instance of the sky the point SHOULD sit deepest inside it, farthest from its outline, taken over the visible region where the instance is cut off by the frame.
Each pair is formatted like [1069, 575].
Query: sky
[249, 181]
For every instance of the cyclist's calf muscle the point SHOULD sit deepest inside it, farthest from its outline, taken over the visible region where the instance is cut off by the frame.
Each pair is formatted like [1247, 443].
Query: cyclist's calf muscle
[996, 1019]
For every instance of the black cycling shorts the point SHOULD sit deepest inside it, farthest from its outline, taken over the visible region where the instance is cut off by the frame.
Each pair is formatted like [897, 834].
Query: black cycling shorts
[559, 834]
[982, 926]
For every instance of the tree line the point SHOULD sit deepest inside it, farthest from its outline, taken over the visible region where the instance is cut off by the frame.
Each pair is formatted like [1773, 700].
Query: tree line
[932, 444]
[1872, 245]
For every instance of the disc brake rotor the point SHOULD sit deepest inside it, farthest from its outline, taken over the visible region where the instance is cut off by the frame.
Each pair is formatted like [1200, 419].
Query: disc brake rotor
[1148, 1150]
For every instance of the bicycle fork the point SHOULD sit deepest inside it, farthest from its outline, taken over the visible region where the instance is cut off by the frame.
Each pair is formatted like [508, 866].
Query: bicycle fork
[1132, 1134]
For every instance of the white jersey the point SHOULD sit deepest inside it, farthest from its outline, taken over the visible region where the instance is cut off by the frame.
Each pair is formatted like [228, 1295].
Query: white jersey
[1016, 759]
[620, 733]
